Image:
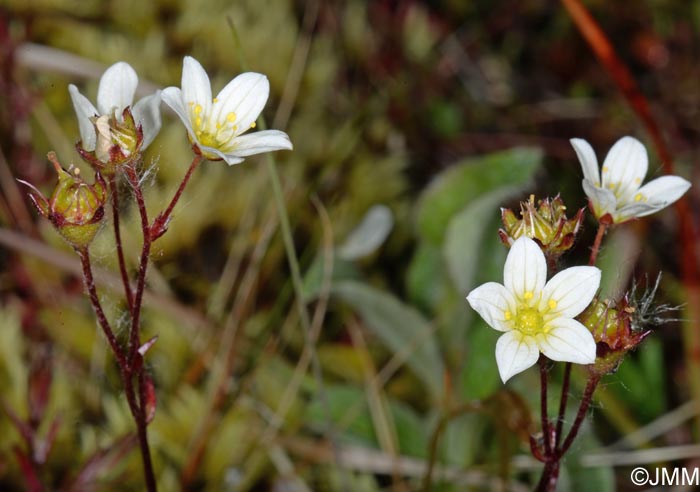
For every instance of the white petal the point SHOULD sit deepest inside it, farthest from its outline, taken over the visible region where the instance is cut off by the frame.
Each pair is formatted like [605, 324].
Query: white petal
[525, 270]
[588, 160]
[515, 353]
[604, 201]
[633, 210]
[117, 87]
[491, 300]
[662, 192]
[568, 341]
[625, 166]
[570, 291]
[147, 113]
[264, 141]
[230, 159]
[196, 88]
[84, 111]
[172, 96]
[245, 96]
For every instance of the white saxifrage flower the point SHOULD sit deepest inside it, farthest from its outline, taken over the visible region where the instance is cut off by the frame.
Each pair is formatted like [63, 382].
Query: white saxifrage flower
[617, 191]
[216, 126]
[536, 315]
[104, 126]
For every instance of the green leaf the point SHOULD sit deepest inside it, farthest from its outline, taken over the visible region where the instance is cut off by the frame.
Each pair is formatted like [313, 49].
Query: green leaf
[480, 377]
[467, 234]
[427, 281]
[399, 327]
[456, 187]
[348, 410]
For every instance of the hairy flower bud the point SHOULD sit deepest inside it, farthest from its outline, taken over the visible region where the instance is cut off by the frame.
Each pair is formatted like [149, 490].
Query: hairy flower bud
[619, 327]
[75, 209]
[545, 223]
[118, 141]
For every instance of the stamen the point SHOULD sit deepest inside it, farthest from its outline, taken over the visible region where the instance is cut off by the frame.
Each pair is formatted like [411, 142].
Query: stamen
[198, 109]
[528, 295]
[231, 117]
[552, 304]
[508, 315]
[252, 125]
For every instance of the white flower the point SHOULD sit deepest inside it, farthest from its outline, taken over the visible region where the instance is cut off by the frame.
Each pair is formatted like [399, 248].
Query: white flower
[536, 315]
[114, 94]
[216, 125]
[618, 191]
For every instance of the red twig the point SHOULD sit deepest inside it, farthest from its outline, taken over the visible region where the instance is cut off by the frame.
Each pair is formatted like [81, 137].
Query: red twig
[118, 239]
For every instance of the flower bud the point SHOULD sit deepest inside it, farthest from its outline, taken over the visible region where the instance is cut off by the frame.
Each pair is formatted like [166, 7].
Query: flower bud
[118, 141]
[545, 223]
[617, 328]
[75, 209]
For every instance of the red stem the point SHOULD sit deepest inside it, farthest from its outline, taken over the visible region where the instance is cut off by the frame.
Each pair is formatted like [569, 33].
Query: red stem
[137, 411]
[595, 249]
[118, 239]
[562, 403]
[134, 338]
[97, 307]
[582, 409]
[160, 225]
[543, 408]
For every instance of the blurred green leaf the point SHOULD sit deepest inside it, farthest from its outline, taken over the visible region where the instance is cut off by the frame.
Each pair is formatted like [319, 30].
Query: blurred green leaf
[313, 278]
[427, 281]
[457, 186]
[642, 375]
[348, 408]
[369, 235]
[480, 377]
[400, 327]
[465, 242]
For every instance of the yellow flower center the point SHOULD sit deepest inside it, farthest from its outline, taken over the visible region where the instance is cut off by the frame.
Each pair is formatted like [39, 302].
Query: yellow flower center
[528, 321]
[218, 134]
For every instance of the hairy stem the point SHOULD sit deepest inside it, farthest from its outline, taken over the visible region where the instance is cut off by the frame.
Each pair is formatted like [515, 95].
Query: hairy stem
[580, 415]
[160, 224]
[125, 369]
[562, 404]
[543, 408]
[134, 335]
[97, 307]
[118, 240]
[595, 249]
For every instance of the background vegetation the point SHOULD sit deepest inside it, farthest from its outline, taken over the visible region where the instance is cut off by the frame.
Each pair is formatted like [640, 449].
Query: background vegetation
[413, 122]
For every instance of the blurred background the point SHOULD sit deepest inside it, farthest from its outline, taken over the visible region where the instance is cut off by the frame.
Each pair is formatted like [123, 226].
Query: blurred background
[412, 123]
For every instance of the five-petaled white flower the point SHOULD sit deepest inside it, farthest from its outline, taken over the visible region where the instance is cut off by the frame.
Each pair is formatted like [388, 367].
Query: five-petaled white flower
[536, 315]
[216, 125]
[115, 93]
[617, 192]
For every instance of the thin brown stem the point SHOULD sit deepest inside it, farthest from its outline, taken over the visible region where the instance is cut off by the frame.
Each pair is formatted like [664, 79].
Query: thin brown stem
[97, 307]
[134, 338]
[562, 404]
[543, 407]
[135, 365]
[160, 225]
[595, 249]
[118, 239]
[580, 415]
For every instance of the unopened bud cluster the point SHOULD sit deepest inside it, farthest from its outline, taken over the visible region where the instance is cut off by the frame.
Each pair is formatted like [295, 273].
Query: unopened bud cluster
[546, 223]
